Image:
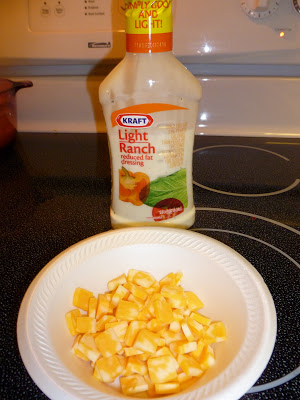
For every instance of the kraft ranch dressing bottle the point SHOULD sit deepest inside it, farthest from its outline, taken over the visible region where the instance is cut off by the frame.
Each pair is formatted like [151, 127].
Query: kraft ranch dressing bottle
[150, 103]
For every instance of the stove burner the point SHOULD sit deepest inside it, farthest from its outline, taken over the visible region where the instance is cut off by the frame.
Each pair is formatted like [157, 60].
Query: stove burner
[231, 163]
[271, 247]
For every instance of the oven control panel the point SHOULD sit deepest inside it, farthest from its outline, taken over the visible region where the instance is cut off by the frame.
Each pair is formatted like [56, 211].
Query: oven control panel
[77, 32]
[72, 16]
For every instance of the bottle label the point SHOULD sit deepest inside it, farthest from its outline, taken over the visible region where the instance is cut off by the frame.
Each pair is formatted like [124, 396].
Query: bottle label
[148, 26]
[150, 162]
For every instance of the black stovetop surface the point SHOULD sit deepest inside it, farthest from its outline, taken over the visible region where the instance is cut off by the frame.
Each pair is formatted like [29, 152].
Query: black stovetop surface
[55, 191]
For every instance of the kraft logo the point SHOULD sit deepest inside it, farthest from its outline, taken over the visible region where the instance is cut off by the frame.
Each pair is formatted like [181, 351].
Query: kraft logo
[134, 120]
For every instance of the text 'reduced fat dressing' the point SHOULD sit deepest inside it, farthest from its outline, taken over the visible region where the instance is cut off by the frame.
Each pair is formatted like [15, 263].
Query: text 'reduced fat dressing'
[150, 102]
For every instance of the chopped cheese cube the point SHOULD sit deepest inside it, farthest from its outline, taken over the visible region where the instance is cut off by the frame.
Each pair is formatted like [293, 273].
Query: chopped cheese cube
[162, 369]
[71, 318]
[183, 377]
[126, 310]
[85, 325]
[216, 332]
[108, 343]
[133, 384]
[114, 283]
[119, 327]
[135, 366]
[131, 351]
[167, 388]
[154, 325]
[197, 353]
[118, 295]
[169, 280]
[196, 327]
[132, 330]
[103, 306]
[175, 345]
[189, 365]
[200, 318]
[207, 358]
[170, 336]
[146, 341]
[100, 324]
[92, 307]
[174, 296]
[81, 298]
[151, 388]
[89, 348]
[136, 300]
[109, 368]
[76, 351]
[187, 347]
[177, 315]
[187, 332]
[185, 384]
[136, 290]
[143, 279]
[175, 326]
[193, 301]
[143, 356]
[163, 311]
[163, 351]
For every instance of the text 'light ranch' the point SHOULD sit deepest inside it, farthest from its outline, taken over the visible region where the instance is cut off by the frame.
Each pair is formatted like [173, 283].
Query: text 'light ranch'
[135, 142]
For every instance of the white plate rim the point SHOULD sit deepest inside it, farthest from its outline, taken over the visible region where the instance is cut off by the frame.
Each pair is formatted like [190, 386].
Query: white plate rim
[221, 388]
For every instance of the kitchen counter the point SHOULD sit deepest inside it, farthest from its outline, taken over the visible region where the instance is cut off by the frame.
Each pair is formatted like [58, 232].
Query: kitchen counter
[55, 191]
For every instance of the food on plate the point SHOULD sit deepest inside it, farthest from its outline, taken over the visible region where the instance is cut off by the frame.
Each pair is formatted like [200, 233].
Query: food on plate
[147, 333]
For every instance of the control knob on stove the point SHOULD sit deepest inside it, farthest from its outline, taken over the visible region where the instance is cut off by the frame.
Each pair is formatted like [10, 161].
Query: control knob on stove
[297, 6]
[260, 8]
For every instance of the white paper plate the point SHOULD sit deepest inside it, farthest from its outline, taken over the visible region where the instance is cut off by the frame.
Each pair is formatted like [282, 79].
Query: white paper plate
[231, 289]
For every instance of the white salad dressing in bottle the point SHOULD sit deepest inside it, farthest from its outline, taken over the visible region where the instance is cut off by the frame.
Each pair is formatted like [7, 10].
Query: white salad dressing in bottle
[150, 103]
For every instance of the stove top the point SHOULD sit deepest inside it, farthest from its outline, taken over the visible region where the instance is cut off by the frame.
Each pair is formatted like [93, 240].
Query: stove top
[56, 188]
[247, 196]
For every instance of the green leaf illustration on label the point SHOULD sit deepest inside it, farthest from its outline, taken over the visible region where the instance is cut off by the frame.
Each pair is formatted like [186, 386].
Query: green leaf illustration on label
[171, 186]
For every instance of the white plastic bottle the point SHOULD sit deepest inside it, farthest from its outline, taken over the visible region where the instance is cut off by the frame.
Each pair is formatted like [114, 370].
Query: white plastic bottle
[150, 103]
